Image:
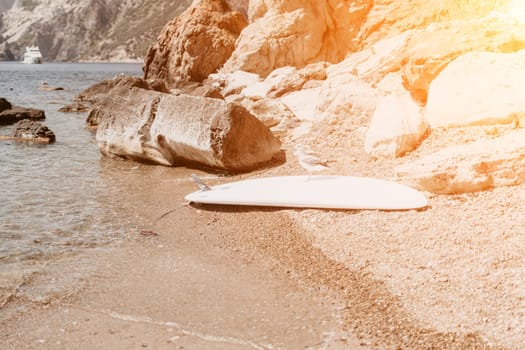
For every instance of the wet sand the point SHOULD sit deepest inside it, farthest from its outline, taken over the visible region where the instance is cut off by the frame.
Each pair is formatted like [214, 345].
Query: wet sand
[197, 278]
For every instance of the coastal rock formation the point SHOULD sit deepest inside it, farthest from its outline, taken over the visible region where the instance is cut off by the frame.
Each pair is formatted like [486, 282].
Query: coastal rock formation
[292, 35]
[72, 30]
[5, 52]
[175, 130]
[195, 44]
[397, 127]
[429, 51]
[11, 114]
[470, 168]
[28, 130]
[478, 88]
[75, 107]
[377, 76]
[101, 89]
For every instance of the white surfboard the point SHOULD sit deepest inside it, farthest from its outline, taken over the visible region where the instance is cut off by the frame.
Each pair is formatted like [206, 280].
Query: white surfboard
[328, 192]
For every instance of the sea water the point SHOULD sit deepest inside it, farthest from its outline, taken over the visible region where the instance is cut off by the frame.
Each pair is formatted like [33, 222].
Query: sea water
[60, 198]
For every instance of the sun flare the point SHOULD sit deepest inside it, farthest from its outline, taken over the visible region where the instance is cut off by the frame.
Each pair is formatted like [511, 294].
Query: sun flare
[515, 8]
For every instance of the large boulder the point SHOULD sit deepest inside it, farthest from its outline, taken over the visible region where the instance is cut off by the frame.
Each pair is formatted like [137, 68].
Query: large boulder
[478, 166]
[10, 114]
[103, 89]
[296, 33]
[478, 88]
[195, 44]
[429, 51]
[278, 39]
[176, 130]
[100, 90]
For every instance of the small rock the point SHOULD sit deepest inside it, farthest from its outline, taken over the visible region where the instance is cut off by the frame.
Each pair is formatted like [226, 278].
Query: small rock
[28, 130]
[46, 87]
[4, 104]
[75, 107]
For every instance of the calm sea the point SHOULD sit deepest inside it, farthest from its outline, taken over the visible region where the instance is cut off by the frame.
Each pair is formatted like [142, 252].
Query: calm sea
[57, 198]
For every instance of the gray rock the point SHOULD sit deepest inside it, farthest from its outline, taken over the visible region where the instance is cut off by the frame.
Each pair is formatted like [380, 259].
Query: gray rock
[182, 130]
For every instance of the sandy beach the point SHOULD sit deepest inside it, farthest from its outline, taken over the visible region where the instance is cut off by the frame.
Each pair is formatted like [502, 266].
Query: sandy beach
[219, 277]
[100, 253]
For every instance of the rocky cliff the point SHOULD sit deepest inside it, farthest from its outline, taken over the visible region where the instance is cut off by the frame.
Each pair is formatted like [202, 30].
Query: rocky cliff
[394, 79]
[70, 30]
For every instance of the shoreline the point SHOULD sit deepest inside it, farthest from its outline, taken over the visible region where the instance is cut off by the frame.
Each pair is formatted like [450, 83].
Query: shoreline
[355, 279]
[187, 279]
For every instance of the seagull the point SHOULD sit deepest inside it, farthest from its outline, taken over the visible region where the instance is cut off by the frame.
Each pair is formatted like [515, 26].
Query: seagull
[308, 160]
[202, 186]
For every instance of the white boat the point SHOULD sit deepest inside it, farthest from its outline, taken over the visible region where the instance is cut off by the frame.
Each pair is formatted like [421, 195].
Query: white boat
[32, 55]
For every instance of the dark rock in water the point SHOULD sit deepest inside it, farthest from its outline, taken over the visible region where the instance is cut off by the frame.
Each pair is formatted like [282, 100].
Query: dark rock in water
[4, 104]
[75, 107]
[12, 115]
[100, 90]
[28, 130]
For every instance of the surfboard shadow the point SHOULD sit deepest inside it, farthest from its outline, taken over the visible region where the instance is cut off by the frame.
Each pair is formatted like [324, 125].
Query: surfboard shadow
[234, 208]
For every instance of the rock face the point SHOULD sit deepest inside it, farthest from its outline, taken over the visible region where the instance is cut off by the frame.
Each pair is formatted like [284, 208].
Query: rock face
[11, 114]
[428, 52]
[175, 130]
[376, 76]
[397, 127]
[75, 107]
[66, 30]
[470, 168]
[28, 130]
[5, 52]
[101, 89]
[195, 44]
[478, 88]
